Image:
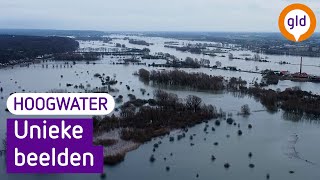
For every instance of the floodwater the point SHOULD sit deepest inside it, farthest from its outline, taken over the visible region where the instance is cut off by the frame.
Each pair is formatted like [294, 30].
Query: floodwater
[279, 142]
[311, 65]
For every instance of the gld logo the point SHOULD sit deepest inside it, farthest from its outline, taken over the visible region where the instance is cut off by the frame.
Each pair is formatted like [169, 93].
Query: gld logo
[297, 22]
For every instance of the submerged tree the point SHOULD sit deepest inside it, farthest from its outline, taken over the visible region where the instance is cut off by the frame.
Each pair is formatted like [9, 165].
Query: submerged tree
[245, 110]
[193, 102]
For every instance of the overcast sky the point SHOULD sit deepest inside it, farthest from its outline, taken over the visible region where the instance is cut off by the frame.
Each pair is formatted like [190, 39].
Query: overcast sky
[147, 15]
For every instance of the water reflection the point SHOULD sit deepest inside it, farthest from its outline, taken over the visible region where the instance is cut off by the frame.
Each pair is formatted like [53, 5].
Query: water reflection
[301, 117]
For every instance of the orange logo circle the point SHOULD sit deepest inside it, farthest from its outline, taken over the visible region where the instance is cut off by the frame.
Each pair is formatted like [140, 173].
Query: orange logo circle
[297, 22]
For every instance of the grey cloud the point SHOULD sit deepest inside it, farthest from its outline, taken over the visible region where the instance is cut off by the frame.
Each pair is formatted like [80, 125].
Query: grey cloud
[164, 15]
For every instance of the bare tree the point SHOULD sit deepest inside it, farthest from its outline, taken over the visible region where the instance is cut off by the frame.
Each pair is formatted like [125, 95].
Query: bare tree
[144, 75]
[160, 95]
[245, 110]
[193, 102]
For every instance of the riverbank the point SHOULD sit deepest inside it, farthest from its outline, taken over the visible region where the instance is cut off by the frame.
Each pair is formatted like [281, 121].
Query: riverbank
[115, 148]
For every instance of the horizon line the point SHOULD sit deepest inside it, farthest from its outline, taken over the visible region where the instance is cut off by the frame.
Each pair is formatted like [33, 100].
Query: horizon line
[203, 31]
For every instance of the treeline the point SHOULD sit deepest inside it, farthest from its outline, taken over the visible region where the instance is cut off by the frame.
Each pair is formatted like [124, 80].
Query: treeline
[198, 81]
[176, 63]
[292, 52]
[71, 56]
[94, 38]
[51, 32]
[141, 120]
[29, 47]
[290, 100]
[139, 42]
[194, 50]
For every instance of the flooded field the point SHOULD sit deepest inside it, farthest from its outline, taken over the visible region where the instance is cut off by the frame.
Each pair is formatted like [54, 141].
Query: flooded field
[282, 146]
[311, 65]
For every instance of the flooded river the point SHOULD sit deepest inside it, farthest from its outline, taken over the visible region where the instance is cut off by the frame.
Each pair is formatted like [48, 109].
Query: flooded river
[279, 143]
